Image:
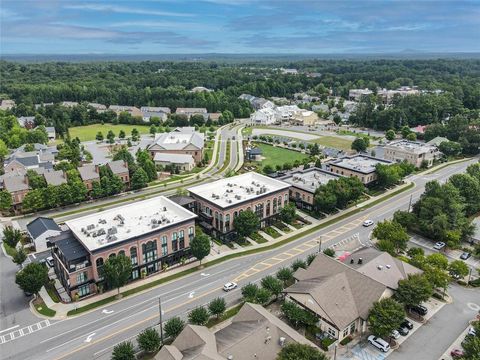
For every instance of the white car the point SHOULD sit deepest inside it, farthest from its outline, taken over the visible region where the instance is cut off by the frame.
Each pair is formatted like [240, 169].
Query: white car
[49, 261]
[472, 332]
[229, 286]
[395, 334]
[379, 343]
[367, 223]
[439, 245]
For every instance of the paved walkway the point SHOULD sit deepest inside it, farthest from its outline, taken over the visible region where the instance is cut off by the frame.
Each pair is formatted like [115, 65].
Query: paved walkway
[62, 309]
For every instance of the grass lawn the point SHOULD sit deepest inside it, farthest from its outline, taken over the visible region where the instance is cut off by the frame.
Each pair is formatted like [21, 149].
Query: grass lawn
[85, 133]
[42, 308]
[258, 238]
[9, 250]
[272, 232]
[278, 156]
[334, 142]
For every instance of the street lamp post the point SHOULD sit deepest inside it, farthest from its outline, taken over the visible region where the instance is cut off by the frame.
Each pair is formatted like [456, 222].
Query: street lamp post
[319, 244]
[161, 321]
[469, 277]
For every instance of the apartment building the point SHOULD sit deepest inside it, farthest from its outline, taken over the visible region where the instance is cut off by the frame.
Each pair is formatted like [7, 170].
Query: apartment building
[153, 233]
[219, 202]
[304, 183]
[361, 166]
[189, 112]
[413, 152]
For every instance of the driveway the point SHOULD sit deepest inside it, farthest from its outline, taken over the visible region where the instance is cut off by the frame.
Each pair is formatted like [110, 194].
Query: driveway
[434, 337]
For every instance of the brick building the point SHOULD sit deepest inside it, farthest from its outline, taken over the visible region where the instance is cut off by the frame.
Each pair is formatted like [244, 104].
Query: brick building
[361, 166]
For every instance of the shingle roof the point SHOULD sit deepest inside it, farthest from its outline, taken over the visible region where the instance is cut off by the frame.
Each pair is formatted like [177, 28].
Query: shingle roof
[335, 291]
[15, 183]
[174, 158]
[29, 160]
[40, 225]
[88, 172]
[178, 140]
[55, 177]
[118, 166]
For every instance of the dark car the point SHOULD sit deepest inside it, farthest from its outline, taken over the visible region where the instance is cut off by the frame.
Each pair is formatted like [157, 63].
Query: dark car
[403, 331]
[406, 324]
[465, 255]
[419, 309]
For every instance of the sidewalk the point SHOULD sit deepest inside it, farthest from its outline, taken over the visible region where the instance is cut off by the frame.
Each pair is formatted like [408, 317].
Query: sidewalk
[219, 252]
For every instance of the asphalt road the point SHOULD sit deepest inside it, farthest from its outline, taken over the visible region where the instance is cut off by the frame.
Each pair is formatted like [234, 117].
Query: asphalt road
[93, 335]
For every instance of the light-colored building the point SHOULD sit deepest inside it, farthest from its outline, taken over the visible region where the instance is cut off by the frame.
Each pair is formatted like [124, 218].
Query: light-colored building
[286, 112]
[7, 104]
[304, 183]
[388, 95]
[261, 103]
[342, 294]
[263, 117]
[413, 152]
[184, 162]
[254, 333]
[189, 112]
[153, 233]
[154, 111]
[358, 94]
[41, 230]
[69, 104]
[132, 110]
[51, 133]
[305, 117]
[99, 107]
[199, 89]
[218, 203]
[361, 166]
[180, 141]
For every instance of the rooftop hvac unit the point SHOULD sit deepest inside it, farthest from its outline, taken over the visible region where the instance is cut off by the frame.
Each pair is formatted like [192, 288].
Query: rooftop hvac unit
[90, 227]
[281, 341]
[164, 208]
[112, 230]
[156, 225]
[379, 267]
[230, 357]
[102, 221]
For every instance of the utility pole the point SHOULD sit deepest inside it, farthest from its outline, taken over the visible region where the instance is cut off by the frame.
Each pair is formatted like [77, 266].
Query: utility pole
[161, 321]
[469, 276]
[319, 244]
[410, 202]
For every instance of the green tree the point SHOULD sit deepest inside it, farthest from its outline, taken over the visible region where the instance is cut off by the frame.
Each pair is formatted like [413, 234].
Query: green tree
[19, 256]
[329, 252]
[393, 232]
[268, 169]
[415, 251]
[414, 290]
[459, 268]
[249, 292]
[32, 277]
[296, 351]
[438, 278]
[296, 315]
[11, 236]
[198, 316]
[117, 271]
[315, 150]
[390, 135]
[139, 179]
[5, 200]
[246, 223]
[173, 327]
[471, 344]
[288, 213]
[285, 274]
[297, 264]
[263, 296]
[359, 145]
[33, 201]
[99, 136]
[3, 150]
[135, 134]
[273, 285]
[411, 137]
[200, 246]
[217, 307]
[111, 136]
[385, 316]
[149, 340]
[35, 180]
[123, 351]
[121, 134]
[437, 260]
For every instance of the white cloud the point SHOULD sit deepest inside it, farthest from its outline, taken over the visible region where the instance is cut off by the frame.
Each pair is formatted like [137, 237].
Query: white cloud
[125, 10]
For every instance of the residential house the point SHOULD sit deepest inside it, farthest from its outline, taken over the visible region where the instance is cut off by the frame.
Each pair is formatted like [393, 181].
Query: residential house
[261, 103]
[264, 116]
[305, 117]
[253, 333]
[132, 110]
[40, 230]
[359, 94]
[214, 117]
[51, 134]
[69, 104]
[55, 177]
[27, 122]
[183, 162]
[155, 111]
[16, 183]
[413, 152]
[189, 112]
[199, 89]
[153, 233]
[286, 112]
[99, 107]
[436, 141]
[219, 202]
[180, 141]
[120, 168]
[361, 166]
[7, 104]
[89, 173]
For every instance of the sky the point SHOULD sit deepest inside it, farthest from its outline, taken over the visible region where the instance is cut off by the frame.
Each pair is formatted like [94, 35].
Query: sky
[238, 26]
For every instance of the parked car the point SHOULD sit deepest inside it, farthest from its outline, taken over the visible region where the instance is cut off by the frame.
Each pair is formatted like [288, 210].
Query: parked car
[439, 245]
[454, 275]
[406, 324]
[465, 255]
[456, 353]
[229, 286]
[379, 343]
[367, 223]
[419, 309]
[403, 331]
[395, 334]
[472, 331]
[49, 261]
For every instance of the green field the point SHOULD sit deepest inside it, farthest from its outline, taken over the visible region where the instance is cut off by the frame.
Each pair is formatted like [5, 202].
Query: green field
[85, 133]
[278, 156]
[334, 142]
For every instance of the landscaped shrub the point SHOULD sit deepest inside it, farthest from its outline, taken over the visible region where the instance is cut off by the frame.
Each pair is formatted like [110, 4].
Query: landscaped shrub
[346, 340]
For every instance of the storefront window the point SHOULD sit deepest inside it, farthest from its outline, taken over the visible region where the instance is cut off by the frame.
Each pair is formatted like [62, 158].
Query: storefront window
[149, 251]
[164, 246]
[133, 256]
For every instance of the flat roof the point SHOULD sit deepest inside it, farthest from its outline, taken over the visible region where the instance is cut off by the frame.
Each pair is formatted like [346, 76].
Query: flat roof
[237, 189]
[310, 179]
[125, 222]
[414, 146]
[360, 163]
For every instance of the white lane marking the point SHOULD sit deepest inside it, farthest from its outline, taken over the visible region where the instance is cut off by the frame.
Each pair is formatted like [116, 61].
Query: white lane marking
[203, 274]
[473, 306]
[105, 311]
[89, 337]
[23, 331]
[10, 328]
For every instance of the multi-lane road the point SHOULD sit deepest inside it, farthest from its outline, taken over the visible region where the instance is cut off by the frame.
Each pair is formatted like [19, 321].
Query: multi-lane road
[93, 335]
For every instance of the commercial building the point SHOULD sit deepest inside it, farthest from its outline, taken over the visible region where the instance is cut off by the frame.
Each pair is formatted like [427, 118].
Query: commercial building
[189, 112]
[413, 152]
[304, 183]
[183, 162]
[361, 166]
[342, 294]
[153, 233]
[254, 333]
[218, 203]
[359, 94]
[181, 141]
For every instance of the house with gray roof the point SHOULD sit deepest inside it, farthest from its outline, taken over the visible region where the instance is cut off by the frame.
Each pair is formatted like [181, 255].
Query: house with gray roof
[40, 230]
[26, 121]
[184, 162]
[189, 112]
[89, 173]
[253, 333]
[17, 186]
[120, 168]
[181, 141]
[55, 177]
